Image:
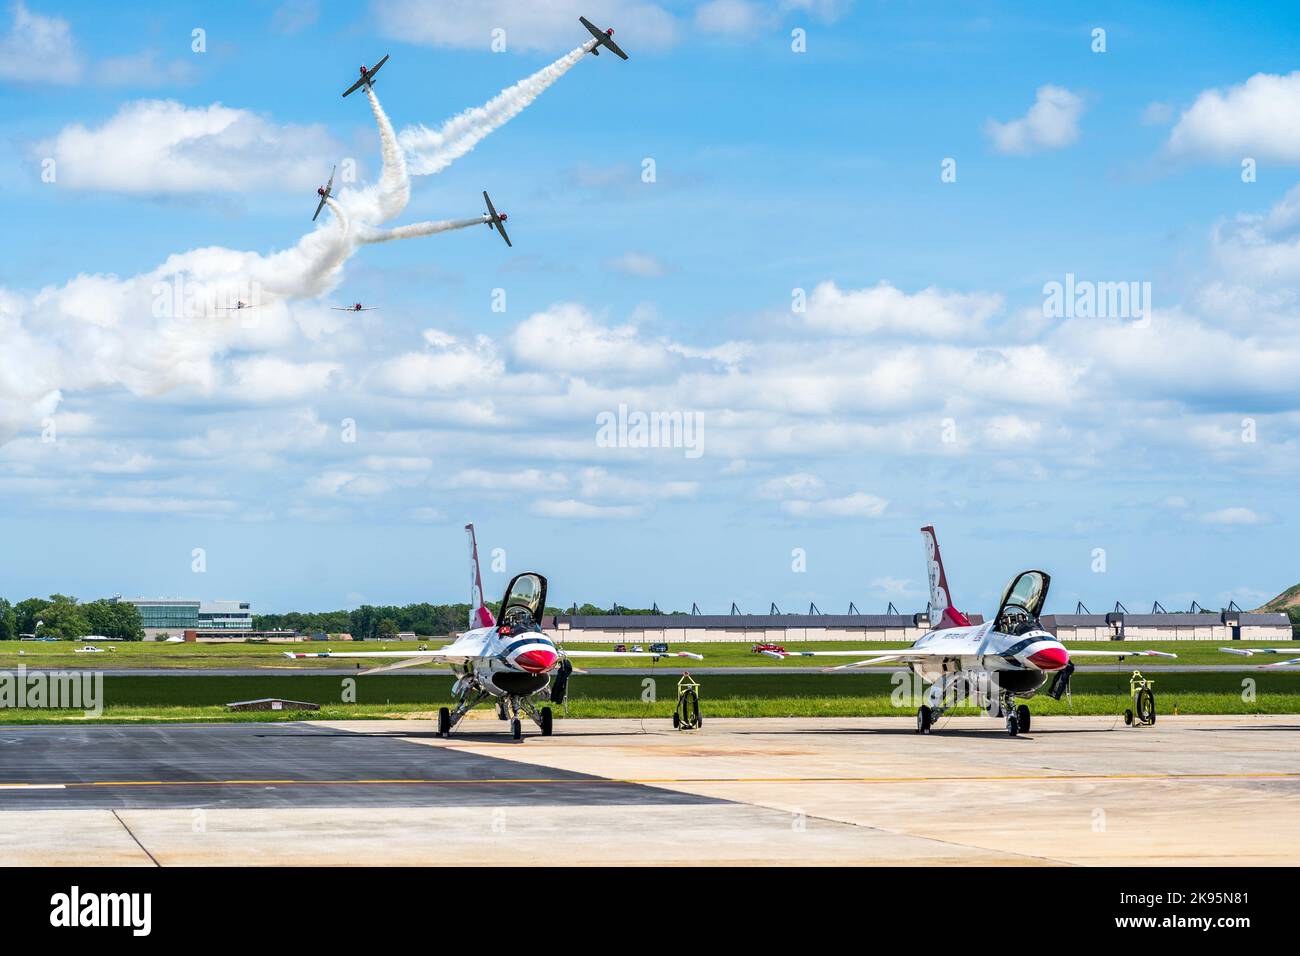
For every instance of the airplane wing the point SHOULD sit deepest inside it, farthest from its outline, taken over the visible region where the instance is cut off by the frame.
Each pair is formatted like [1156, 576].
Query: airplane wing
[1252, 651]
[1073, 653]
[411, 658]
[496, 220]
[378, 66]
[319, 206]
[594, 30]
[609, 42]
[694, 657]
[355, 86]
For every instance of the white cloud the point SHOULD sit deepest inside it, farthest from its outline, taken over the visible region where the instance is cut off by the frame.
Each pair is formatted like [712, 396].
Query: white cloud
[526, 479]
[571, 508]
[800, 485]
[158, 147]
[857, 505]
[1255, 119]
[39, 49]
[638, 264]
[446, 365]
[1051, 123]
[894, 587]
[568, 334]
[1234, 516]
[266, 379]
[599, 483]
[1157, 114]
[885, 309]
[732, 17]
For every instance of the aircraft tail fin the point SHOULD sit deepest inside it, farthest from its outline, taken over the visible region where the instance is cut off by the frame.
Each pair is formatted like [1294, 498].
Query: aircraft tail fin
[479, 615]
[942, 612]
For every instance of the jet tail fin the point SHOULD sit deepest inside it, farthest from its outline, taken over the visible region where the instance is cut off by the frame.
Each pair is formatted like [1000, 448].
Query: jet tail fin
[479, 615]
[942, 612]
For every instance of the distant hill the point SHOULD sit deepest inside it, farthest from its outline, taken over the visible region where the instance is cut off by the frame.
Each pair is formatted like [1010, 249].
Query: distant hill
[1286, 601]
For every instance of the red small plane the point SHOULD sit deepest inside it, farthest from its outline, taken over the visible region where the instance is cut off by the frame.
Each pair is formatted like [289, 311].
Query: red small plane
[324, 193]
[604, 38]
[367, 76]
[354, 307]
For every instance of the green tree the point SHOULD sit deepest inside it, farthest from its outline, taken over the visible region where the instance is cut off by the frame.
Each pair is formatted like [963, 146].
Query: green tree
[64, 618]
[8, 621]
[388, 628]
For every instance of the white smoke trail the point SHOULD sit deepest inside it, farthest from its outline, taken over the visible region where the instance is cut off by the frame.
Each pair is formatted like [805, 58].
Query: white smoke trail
[432, 151]
[367, 235]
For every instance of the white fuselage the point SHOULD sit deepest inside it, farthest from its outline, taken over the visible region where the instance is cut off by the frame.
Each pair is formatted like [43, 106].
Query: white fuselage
[1022, 662]
[505, 664]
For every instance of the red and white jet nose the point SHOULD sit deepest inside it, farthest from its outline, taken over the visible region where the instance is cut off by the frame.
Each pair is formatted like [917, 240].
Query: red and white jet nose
[1051, 658]
[536, 660]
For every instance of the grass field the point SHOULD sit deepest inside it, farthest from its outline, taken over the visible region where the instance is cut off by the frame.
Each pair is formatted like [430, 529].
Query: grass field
[271, 656]
[202, 698]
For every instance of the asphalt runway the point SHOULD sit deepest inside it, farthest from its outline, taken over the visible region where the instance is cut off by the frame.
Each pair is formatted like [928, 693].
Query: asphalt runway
[1199, 791]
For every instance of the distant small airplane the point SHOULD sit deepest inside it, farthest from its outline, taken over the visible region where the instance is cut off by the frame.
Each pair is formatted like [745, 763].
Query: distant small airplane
[367, 76]
[496, 220]
[239, 304]
[604, 38]
[1252, 651]
[324, 193]
[354, 307]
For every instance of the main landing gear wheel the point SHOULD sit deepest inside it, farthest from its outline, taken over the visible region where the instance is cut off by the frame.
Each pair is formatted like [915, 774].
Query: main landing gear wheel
[516, 729]
[924, 720]
[1145, 703]
[547, 722]
[444, 722]
[1013, 724]
[1022, 718]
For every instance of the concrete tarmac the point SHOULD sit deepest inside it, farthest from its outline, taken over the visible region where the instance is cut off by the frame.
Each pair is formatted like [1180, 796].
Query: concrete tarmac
[1077, 790]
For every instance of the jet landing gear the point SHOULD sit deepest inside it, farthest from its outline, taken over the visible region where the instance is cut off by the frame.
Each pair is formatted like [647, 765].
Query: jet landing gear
[1017, 715]
[447, 719]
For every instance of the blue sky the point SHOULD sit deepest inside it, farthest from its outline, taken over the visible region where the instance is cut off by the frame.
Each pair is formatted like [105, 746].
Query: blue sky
[1167, 446]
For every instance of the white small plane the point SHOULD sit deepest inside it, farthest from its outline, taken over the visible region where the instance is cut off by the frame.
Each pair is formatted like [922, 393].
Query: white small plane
[1252, 651]
[1008, 657]
[511, 661]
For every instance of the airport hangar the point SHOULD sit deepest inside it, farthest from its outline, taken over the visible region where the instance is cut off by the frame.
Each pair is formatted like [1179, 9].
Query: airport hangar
[1228, 625]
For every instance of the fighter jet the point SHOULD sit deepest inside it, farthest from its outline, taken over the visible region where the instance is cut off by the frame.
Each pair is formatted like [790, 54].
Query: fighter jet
[324, 193]
[496, 221]
[354, 307]
[511, 661]
[1009, 657]
[604, 38]
[367, 76]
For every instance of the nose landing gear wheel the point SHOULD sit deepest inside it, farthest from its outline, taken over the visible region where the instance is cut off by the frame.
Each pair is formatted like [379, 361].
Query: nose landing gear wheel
[516, 729]
[924, 720]
[547, 722]
[444, 722]
[1013, 724]
[1022, 718]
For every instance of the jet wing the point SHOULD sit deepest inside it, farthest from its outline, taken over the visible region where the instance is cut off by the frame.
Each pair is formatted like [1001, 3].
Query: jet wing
[1073, 653]
[694, 657]
[411, 658]
[1252, 651]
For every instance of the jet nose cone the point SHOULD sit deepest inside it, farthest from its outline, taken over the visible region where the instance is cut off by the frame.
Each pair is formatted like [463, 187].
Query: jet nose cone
[535, 661]
[1051, 658]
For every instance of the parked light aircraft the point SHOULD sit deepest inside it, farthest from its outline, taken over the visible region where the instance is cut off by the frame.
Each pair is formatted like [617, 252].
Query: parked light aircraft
[1007, 658]
[511, 661]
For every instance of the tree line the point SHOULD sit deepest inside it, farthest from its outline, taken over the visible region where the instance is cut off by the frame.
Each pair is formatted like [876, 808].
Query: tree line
[426, 620]
[64, 617]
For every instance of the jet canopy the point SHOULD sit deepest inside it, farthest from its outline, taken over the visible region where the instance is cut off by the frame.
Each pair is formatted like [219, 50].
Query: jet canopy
[1022, 602]
[524, 602]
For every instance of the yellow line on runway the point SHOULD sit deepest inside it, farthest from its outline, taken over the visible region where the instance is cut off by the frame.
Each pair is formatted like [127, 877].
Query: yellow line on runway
[472, 782]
